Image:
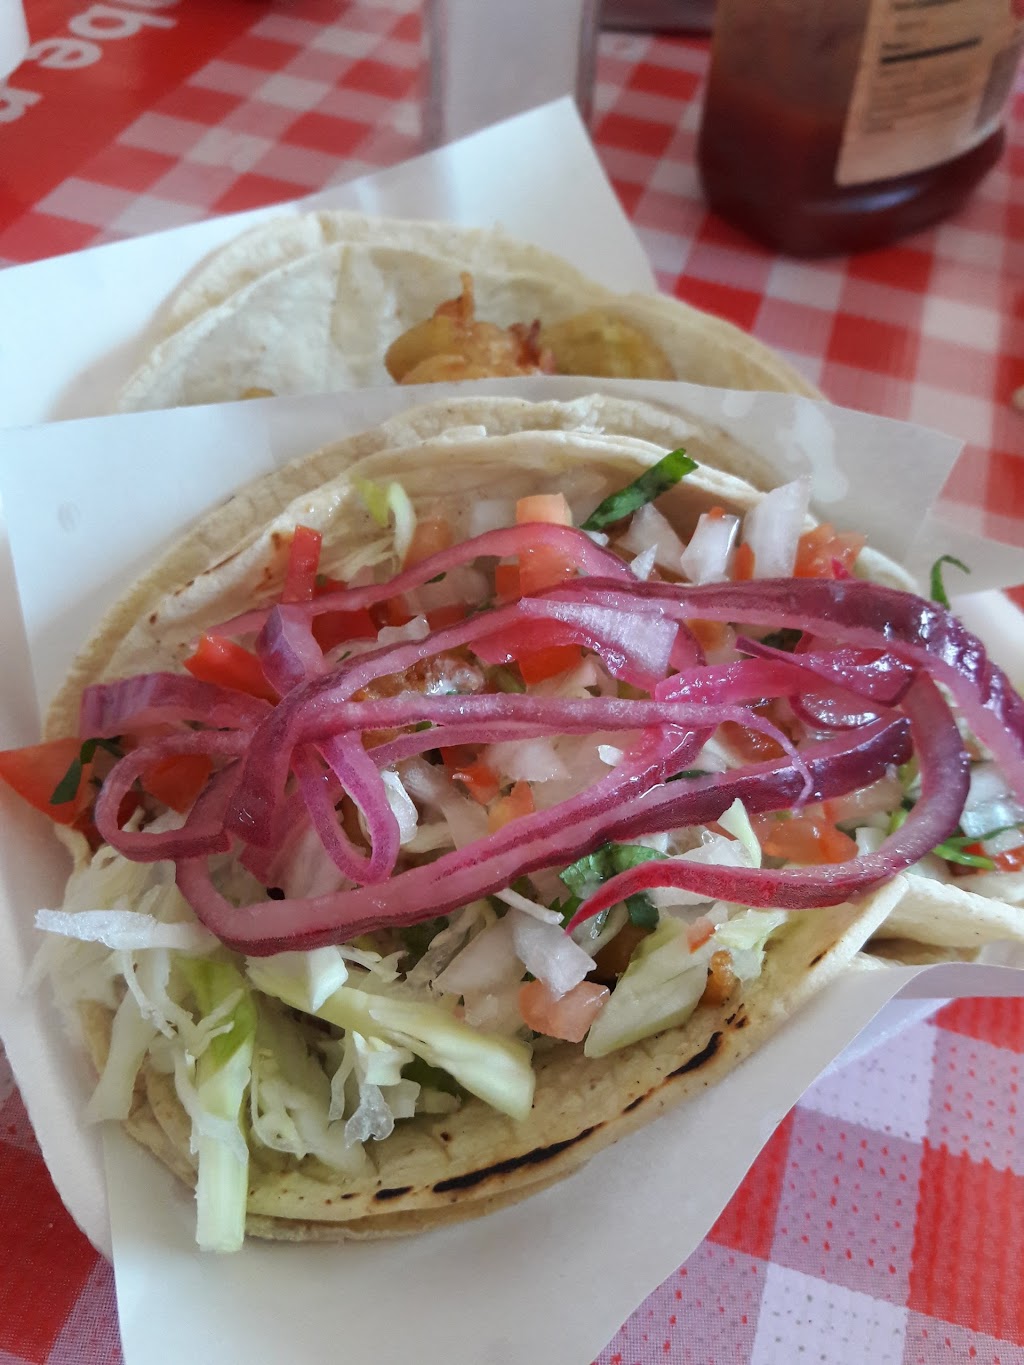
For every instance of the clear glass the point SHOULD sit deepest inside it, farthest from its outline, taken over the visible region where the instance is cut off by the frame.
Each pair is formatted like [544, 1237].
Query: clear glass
[490, 59]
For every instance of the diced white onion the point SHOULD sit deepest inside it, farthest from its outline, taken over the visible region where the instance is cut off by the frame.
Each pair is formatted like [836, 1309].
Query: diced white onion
[989, 805]
[491, 514]
[772, 528]
[416, 629]
[487, 963]
[706, 558]
[649, 530]
[548, 953]
[402, 806]
[609, 754]
[526, 760]
[644, 562]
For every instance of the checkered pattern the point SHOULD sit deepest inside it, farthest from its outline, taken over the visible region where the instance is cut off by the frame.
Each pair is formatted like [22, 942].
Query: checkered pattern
[884, 1222]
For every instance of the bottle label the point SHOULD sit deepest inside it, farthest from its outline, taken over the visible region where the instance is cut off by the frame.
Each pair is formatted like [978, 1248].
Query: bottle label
[934, 80]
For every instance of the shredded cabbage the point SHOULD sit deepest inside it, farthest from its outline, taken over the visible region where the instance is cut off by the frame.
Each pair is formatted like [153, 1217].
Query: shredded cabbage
[496, 1069]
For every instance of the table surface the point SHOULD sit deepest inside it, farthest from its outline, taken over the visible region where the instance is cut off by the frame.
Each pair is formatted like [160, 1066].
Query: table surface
[884, 1221]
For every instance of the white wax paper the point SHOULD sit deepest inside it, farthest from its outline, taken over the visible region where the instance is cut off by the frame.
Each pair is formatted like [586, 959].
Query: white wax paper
[549, 1280]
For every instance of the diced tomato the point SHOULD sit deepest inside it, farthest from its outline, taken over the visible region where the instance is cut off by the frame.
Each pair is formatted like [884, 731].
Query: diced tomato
[217, 660]
[613, 959]
[713, 635]
[544, 566]
[698, 933]
[540, 566]
[478, 778]
[514, 806]
[303, 559]
[443, 617]
[547, 507]
[568, 1016]
[36, 771]
[1011, 860]
[750, 744]
[715, 513]
[506, 582]
[394, 612]
[827, 553]
[721, 979]
[743, 563]
[537, 665]
[334, 628]
[431, 535]
[807, 838]
[178, 780]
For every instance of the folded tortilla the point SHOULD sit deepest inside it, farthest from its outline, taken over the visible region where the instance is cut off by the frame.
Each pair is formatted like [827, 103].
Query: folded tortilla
[310, 304]
[437, 1168]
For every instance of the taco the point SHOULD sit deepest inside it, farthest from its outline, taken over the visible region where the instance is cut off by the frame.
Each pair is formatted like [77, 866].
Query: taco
[453, 801]
[313, 303]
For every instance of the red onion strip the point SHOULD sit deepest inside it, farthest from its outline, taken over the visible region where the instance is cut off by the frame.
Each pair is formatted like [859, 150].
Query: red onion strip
[945, 777]
[129, 704]
[615, 807]
[143, 846]
[500, 544]
[868, 615]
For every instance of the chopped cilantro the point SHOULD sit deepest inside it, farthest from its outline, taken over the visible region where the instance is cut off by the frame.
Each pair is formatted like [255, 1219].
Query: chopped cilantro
[786, 639]
[67, 788]
[566, 908]
[650, 485]
[642, 911]
[938, 588]
[606, 862]
[437, 578]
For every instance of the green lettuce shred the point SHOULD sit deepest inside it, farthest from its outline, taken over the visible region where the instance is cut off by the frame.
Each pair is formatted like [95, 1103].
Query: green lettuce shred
[222, 1078]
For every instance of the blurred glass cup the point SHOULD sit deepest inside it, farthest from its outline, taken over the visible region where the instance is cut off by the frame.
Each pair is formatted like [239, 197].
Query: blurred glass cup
[490, 59]
[13, 36]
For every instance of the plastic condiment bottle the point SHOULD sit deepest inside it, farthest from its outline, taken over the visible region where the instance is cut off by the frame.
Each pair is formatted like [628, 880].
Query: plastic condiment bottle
[835, 125]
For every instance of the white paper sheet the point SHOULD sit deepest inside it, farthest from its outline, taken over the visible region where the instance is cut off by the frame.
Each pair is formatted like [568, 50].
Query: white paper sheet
[547, 1281]
[73, 328]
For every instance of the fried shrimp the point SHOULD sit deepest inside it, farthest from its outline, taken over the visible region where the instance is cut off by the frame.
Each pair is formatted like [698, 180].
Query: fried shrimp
[598, 342]
[452, 345]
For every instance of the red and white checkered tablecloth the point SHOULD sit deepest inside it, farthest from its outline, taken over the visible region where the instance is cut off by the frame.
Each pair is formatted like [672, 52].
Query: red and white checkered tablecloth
[884, 1222]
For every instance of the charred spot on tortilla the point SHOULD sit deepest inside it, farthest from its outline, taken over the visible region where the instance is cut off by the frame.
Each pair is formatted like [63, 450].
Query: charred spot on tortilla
[395, 1193]
[536, 1157]
[699, 1058]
